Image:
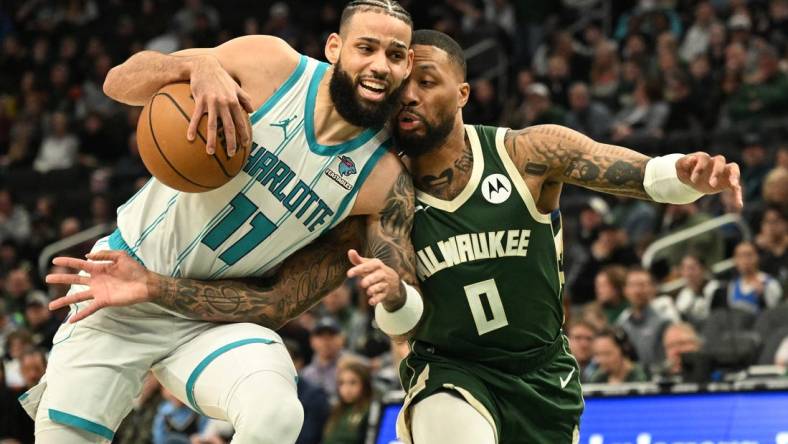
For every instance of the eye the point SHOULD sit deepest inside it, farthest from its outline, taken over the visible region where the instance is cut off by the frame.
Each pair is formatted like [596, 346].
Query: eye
[398, 56]
[365, 48]
[426, 83]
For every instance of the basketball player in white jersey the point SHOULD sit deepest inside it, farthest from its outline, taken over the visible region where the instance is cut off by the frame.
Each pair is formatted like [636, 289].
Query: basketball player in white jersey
[319, 154]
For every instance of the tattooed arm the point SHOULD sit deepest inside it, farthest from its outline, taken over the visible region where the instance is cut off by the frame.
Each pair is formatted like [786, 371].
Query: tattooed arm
[301, 281]
[559, 154]
[551, 154]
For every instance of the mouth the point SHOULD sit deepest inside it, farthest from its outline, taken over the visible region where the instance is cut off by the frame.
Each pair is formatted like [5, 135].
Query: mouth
[372, 90]
[409, 121]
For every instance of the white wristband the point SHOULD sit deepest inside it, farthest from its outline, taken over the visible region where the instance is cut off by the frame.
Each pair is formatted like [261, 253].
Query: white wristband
[401, 321]
[662, 182]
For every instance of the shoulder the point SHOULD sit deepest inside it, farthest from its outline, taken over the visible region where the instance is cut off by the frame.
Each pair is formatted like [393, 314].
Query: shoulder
[388, 180]
[258, 55]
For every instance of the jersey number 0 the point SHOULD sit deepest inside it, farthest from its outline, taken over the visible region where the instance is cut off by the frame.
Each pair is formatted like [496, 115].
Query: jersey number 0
[486, 306]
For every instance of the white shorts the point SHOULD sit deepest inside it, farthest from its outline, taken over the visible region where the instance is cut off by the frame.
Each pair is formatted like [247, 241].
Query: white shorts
[97, 365]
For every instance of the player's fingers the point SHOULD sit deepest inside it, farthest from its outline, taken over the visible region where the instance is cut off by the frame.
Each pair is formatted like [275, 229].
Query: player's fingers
[72, 298]
[85, 312]
[106, 255]
[375, 289]
[245, 100]
[243, 133]
[229, 129]
[210, 144]
[701, 168]
[717, 170]
[72, 262]
[734, 178]
[372, 279]
[67, 279]
[194, 122]
[355, 258]
[363, 269]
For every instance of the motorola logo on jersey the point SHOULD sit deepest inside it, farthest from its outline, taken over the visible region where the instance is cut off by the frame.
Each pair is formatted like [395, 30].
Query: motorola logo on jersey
[496, 188]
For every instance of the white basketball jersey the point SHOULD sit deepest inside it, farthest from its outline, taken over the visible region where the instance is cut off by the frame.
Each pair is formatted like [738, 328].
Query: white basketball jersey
[291, 190]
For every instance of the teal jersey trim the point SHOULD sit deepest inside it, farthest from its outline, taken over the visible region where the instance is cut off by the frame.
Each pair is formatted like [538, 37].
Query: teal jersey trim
[23, 396]
[210, 358]
[309, 113]
[279, 93]
[142, 188]
[81, 423]
[116, 242]
[362, 177]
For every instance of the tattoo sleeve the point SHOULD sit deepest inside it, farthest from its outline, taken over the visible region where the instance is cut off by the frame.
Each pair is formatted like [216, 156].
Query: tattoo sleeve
[301, 281]
[388, 233]
[566, 155]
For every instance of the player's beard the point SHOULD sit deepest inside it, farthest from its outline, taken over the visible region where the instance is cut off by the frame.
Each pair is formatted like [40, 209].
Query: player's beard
[355, 110]
[434, 135]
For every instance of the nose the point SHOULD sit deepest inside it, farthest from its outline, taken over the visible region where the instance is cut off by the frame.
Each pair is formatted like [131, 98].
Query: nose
[380, 66]
[409, 96]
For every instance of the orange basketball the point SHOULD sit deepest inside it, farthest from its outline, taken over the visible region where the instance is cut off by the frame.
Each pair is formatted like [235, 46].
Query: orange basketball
[170, 157]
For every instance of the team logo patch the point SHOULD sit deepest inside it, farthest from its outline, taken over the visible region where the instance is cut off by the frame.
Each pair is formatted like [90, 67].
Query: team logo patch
[496, 188]
[346, 166]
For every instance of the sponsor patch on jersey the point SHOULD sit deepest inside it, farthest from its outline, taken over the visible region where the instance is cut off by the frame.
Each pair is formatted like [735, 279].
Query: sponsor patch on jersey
[496, 188]
[346, 167]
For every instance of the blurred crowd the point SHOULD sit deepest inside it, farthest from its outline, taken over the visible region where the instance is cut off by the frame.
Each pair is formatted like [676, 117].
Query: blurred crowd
[659, 76]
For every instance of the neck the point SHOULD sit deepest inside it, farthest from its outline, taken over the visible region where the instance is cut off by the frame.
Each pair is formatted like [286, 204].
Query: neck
[446, 169]
[330, 127]
[749, 274]
[622, 371]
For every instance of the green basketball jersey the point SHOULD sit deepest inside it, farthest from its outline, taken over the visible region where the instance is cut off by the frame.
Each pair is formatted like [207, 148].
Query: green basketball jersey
[488, 262]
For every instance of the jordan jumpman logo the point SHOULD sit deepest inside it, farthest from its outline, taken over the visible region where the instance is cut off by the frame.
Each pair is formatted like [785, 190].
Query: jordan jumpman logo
[284, 123]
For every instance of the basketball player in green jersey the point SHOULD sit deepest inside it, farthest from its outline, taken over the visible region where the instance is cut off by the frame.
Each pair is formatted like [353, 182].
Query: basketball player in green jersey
[489, 363]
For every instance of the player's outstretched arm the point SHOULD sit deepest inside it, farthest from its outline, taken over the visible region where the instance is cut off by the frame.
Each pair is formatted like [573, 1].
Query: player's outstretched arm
[302, 280]
[559, 154]
[216, 76]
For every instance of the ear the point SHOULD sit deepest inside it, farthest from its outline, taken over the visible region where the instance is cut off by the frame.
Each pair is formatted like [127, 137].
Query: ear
[463, 93]
[333, 48]
[409, 69]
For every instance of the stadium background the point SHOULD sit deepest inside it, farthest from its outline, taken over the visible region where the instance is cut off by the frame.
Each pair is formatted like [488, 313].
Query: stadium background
[659, 76]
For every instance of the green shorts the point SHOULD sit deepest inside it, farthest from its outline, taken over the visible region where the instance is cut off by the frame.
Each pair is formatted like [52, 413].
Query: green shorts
[541, 405]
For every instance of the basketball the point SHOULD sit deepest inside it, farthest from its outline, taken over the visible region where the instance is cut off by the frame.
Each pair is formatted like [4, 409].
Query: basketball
[168, 154]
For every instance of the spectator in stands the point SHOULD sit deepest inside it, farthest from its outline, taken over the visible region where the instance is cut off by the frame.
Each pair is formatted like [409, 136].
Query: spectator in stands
[581, 339]
[312, 397]
[696, 40]
[14, 218]
[755, 167]
[59, 149]
[338, 304]
[40, 321]
[16, 344]
[772, 243]
[18, 285]
[347, 423]
[586, 115]
[483, 105]
[680, 217]
[615, 356]
[781, 358]
[538, 108]
[764, 94]
[327, 341]
[175, 422]
[605, 69]
[609, 290]
[679, 339]
[7, 326]
[16, 426]
[609, 247]
[643, 321]
[645, 118]
[33, 364]
[753, 290]
[557, 80]
[775, 188]
[695, 297]
[638, 218]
